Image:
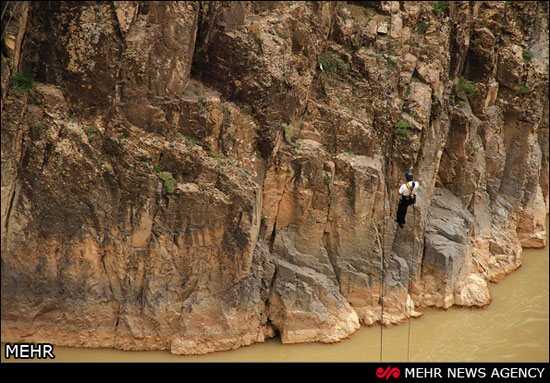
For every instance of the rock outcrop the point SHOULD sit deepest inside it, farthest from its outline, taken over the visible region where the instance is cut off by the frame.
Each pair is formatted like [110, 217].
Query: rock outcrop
[199, 176]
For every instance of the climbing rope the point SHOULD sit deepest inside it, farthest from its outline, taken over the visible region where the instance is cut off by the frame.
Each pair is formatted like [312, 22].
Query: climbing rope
[382, 287]
[8, 23]
[4, 10]
[409, 282]
[409, 285]
[383, 276]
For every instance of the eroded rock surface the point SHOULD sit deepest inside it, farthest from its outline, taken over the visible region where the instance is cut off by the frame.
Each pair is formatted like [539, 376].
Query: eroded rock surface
[199, 176]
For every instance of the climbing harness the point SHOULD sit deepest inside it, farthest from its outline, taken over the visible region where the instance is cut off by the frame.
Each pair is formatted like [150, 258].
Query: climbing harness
[411, 195]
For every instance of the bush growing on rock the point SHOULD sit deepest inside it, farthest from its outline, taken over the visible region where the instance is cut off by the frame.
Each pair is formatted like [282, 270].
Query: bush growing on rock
[333, 64]
[403, 128]
[23, 81]
[523, 90]
[467, 87]
[169, 182]
[440, 6]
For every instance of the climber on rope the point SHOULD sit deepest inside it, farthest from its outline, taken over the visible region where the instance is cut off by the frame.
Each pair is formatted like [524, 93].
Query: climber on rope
[407, 191]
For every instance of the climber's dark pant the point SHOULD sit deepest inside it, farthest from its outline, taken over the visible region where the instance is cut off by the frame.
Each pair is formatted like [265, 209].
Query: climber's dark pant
[402, 209]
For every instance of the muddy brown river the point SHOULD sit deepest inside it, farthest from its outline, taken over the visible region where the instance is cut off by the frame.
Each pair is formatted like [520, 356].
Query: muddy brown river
[514, 328]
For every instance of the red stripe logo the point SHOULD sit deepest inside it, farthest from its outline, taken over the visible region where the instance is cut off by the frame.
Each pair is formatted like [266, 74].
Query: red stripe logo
[388, 372]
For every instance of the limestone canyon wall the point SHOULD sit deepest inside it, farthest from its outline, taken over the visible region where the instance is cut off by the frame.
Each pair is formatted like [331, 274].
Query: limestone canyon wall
[198, 176]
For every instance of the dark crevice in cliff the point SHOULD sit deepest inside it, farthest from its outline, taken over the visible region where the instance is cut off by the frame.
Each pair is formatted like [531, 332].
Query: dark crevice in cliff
[207, 14]
[267, 301]
[332, 260]
[8, 215]
[327, 245]
[119, 81]
[274, 230]
[273, 235]
[21, 162]
[276, 330]
[199, 44]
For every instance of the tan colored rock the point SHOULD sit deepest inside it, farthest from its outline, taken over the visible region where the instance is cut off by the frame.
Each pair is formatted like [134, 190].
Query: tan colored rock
[320, 316]
[382, 27]
[396, 27]
[421, 100]
[146, 205]
[474, 291]
[531, 226]
[126, 12]
[408, 67]
[510, 66]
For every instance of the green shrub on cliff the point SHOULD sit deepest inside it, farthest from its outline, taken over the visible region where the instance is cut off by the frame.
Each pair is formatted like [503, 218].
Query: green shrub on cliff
[350, 193]
[422, 26]
[333, 64]
[467, 87]
[523, 90]
[326, 178]
[439, 6]
[527, 54]
[402, 128]
[169, 182]
[289, 131]
[23, 81]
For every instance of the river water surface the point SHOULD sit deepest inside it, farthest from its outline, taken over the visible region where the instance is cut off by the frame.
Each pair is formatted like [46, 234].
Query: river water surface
[514, 328]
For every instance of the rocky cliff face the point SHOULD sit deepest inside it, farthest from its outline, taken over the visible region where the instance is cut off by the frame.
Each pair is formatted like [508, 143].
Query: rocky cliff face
[198, 176]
